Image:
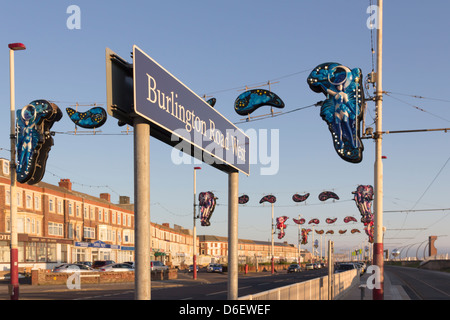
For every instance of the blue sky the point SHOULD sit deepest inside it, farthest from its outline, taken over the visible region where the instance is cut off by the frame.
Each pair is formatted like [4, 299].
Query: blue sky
[216, 49]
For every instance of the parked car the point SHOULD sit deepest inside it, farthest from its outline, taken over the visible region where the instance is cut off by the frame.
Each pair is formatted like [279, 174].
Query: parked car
[209, 267]
[117, 267]
[294, 268]
[216, 267]
[158, 265]
[71, 268]
[86, 263]
[342, 267]
[191, 268]
[309, 266]
[101, 263]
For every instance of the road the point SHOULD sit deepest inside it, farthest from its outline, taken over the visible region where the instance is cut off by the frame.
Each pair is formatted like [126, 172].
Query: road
[421, 284]
[208, 286]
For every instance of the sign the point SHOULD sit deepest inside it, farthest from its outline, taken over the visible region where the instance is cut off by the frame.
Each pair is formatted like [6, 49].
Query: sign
[182, 119]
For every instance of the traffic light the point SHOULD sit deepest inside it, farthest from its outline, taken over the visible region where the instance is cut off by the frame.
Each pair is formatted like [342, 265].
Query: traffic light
[34, 139]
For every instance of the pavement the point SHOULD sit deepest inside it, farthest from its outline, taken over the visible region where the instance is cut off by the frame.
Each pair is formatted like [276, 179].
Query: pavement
[393, 290]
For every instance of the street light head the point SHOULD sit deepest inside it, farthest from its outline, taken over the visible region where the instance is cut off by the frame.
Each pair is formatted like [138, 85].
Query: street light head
[197, 168]
[16, 46]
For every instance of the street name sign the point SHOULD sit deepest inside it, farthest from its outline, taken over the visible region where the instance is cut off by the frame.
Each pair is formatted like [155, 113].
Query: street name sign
[182, 119]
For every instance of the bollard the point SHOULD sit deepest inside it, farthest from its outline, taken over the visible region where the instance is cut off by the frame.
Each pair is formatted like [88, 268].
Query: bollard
[362, 287]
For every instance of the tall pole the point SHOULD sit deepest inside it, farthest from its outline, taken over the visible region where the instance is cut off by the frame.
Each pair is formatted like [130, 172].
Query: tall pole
[233, 253]
[142, 209]
[194, 229]
[14, 251]
[272, 247]
[378, 294]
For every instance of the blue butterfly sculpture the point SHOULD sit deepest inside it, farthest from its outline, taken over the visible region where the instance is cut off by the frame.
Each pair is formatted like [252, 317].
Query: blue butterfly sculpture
[251, 100]
[342, 110]
[34, 139]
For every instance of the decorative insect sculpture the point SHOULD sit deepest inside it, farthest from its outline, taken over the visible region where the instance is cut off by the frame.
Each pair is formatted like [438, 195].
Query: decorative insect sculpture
[34, 139]
[299, 221]
[343, 108]
[207, 203]
[330, 221]
[363, 197]
[281, 226]
[304, 234]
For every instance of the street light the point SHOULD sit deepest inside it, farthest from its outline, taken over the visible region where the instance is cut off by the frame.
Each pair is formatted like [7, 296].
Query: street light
[194, 257]
[14, 252]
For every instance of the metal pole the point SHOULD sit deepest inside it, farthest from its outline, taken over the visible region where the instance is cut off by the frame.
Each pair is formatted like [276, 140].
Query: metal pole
[142, 209]
[272, 247]
[330, 269]
[194, 231]
[233, 255]
[14, 254]
[378, 294]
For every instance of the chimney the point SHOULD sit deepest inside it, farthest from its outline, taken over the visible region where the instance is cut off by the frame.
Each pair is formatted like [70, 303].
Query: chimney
[165, 224]
[105, 196]
[66, 184]
[124, 200]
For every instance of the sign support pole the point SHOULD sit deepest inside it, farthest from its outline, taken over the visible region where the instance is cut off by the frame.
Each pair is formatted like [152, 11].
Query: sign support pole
[142, 209]
[233, 256]
[378, 260]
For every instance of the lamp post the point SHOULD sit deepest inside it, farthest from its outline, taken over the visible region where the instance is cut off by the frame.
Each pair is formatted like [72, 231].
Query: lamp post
[194, 242]
[14, 254]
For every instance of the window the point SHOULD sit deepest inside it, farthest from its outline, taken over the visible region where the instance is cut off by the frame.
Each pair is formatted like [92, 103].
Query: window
[37, 203]
[60, 206]
[70, 209]
[8, 197]
[29, 201]
[89, 233]
[86, 212]
[78, 210]
[51, 205]
[92, 214]
[100, 215]
[31, 252]
[55, 229]
[5, 167]
[118, 218]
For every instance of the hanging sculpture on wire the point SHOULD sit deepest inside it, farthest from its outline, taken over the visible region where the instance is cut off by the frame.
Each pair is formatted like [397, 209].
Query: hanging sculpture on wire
[324, 196]
[91, 119]
[300, 198]
[207, 203]
[281, 226]
[250, 100]
[355, 231]
[211, 102]
[314, 221]
[299, 221]
[34, 139]
[243, 199]
[363, 199]
[304, 234]
[330, 221]
[349, 218]
[342, 231]
[343, 108]
[269, 198]
[330, 232]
